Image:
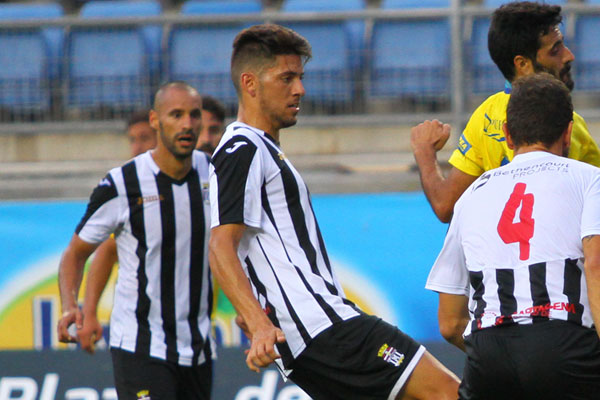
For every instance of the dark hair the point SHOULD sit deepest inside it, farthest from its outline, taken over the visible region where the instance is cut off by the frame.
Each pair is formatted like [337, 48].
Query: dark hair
[214, 106]
[137, 117]
[256, 48]
[539, 110]
[516, 29]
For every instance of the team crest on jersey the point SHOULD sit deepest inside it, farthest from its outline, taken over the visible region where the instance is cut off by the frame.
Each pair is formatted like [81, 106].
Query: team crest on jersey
[463, 144]
[143, 395]
[391, 355]
[281, 156]
[205, 193]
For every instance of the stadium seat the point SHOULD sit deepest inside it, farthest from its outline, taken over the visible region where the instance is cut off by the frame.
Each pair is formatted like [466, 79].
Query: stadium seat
[30, 58]
[24, 75]
[201, 54]
[331, 73]
[410, 58]
[113, 66]
[587, 53]
[485, 76]
[54, 36]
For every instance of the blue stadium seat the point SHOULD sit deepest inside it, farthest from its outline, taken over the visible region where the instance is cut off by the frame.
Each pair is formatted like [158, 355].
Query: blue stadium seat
[25, 72]
[411, 58]
[331, 73]
[200, 55]
[113, 66]
[54, 36]
[587, 53]
[485, 76]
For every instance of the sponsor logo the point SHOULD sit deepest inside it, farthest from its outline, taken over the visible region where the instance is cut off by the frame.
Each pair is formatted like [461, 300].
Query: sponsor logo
[143, 395]
[544, 309]
[493, 125]
[149, 199]
[482, 181]
[463, 144]
[235, 146]
[281, 156]
[390, 355]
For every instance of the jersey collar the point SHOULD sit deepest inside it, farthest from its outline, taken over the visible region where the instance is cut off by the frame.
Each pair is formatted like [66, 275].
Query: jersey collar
[507, 87]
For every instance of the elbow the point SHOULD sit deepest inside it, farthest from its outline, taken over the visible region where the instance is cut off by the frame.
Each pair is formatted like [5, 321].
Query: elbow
[452, 330]
[443, 211]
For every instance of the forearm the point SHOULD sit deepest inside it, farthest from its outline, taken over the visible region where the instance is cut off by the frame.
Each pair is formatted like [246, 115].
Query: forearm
[230, 276]
[70, 274]
[592, 276]
[434, 183]
[98, 275]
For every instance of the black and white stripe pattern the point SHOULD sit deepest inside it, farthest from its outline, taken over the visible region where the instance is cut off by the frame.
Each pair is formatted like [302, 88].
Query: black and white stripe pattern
[282, 250]
[163, 296]
[504, 284]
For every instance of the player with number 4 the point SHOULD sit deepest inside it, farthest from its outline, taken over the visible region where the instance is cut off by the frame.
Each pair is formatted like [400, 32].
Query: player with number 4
[514, 290]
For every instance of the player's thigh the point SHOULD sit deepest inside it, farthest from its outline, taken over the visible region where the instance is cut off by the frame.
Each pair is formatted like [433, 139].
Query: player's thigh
[430, 379]
[142, 377]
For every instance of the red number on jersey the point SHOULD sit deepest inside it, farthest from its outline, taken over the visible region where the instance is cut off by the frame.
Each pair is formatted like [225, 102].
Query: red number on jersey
[518, 232]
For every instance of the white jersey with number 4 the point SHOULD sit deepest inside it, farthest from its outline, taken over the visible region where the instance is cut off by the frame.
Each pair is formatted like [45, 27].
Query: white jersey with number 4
[514, 245]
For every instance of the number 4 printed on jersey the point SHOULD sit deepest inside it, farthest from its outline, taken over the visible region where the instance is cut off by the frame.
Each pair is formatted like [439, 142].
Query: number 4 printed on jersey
[518, 232]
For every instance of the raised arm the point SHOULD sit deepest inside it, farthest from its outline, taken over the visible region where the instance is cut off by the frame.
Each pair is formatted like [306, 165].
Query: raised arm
[442, 192]
[97, 278]
[228, 271]
[453, 317]
[70, 274]
[591, 252]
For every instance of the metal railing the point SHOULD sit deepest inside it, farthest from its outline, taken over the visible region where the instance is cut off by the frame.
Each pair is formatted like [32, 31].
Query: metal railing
[452, 105]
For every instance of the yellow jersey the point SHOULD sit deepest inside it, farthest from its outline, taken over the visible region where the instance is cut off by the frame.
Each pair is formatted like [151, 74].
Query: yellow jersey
[482, 145]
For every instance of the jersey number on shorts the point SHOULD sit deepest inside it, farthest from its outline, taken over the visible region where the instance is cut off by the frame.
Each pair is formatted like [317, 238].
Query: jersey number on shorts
[518, 232]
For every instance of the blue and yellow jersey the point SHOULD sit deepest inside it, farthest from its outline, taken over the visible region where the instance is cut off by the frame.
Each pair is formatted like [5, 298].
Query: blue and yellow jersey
[482, 145]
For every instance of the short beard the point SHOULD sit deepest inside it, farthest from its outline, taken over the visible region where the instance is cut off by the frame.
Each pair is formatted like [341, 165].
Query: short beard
[564, 75]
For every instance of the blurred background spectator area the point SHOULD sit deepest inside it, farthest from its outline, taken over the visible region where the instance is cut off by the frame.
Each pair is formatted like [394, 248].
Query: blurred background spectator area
[99, 60]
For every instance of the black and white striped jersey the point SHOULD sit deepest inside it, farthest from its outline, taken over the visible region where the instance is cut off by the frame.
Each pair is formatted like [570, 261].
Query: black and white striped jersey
[163, 295]
[514, 245]
[282, 250]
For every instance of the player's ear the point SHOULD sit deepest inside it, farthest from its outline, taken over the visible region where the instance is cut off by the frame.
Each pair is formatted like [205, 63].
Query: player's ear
[154, 120]
[567, 136]
[249, 83]
[523, 66]
[509, 140]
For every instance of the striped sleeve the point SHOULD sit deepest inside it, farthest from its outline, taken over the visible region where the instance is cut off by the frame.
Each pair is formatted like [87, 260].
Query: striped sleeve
[102, 214]
[235, 184]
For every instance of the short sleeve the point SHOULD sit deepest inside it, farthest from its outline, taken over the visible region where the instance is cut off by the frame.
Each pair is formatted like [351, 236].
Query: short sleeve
[449, 273]
[236, 180]
[466, 157]
[583, 147]
[101, 218]
[590, 216]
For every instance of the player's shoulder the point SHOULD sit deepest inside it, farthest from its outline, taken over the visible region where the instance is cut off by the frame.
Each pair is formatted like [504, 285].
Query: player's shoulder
[200, 160]
[495, 105]
[239, 140]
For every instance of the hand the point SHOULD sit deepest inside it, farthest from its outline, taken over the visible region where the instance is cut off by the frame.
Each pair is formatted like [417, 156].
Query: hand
[429, 135]
[90, 333]
[262, 350]
[239, 320]
[70, 316]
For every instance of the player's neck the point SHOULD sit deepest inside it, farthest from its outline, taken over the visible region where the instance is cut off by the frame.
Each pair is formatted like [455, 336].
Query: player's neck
[257, 119]
[174, 167]
[556, 149]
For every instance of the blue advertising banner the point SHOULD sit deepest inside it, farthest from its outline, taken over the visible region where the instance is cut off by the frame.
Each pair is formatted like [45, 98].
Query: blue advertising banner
[381, 245]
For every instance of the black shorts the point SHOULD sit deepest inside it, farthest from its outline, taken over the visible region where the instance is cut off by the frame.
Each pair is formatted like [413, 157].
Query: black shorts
[551, 360]
[359, 359]
[143, 377]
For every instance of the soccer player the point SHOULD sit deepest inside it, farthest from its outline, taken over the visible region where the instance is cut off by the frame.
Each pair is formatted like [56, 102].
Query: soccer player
[140, 134]
[157, 205]
[511, 275]
[267, 253]
[524, 38]
[213, 124]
